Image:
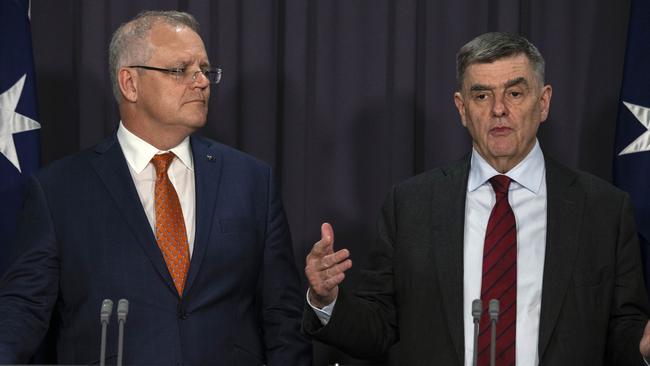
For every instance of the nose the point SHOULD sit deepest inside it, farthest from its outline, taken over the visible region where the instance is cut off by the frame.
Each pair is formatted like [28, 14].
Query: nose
[499, 108]
[200, 79]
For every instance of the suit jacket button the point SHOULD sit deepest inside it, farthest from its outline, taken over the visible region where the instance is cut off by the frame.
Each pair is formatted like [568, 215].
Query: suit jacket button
[182, 315]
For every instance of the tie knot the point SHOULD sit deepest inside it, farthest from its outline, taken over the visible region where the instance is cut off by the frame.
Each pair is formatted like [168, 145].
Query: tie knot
[162, 162]
[500, 184]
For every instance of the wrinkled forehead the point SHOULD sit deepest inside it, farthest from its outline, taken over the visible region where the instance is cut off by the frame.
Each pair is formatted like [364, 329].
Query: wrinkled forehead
[500, 72]
[176, 41]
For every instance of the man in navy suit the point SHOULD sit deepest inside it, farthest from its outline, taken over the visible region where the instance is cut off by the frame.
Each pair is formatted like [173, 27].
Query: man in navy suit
[92, 229]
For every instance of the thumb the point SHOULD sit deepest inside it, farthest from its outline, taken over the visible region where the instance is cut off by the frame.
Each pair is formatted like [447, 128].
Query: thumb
[327, 235]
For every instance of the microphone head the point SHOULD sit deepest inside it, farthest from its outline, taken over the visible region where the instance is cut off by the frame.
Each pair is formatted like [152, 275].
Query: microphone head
[105, 311]
[477, 309]
[122, 309]
[494, 309]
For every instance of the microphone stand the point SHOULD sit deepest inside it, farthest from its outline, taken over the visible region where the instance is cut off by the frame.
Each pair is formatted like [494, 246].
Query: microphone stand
[477, 310]
[494, 316]
[104, 317]
[122, 311]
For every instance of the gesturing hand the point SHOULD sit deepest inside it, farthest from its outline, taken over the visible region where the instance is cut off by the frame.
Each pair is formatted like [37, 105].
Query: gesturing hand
[644, 345]
[325, 269]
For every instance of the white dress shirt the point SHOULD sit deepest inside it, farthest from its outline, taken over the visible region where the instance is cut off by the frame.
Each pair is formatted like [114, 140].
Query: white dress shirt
[527, 197]
[138, 154]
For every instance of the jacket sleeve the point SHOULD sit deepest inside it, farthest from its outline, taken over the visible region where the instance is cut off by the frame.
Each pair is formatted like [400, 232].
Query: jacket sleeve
[364, 325]
[29, 287]
[629, 307]
[282, 300]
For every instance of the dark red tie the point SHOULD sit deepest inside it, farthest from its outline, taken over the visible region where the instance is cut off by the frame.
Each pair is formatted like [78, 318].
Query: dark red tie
[499, 279]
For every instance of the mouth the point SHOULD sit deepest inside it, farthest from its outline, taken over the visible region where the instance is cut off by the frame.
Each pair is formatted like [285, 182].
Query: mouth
[500, 131]
[200, 101]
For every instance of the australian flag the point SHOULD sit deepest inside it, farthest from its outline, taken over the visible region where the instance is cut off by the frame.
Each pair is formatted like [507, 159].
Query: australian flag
[19, 129]
[632, 147]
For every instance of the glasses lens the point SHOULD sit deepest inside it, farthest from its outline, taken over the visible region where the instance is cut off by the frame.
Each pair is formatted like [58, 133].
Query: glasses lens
[213, 75]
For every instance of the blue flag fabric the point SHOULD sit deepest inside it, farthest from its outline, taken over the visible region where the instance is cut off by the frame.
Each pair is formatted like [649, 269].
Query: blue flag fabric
[19, 129]
[632, 147]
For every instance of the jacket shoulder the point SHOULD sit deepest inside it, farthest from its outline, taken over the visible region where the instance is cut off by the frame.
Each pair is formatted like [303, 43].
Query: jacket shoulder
[227, 153]
[589, 183]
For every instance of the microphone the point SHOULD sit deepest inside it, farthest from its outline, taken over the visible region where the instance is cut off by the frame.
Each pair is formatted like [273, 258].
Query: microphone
[477, 310]
[122, 311]
[104, 317]
[494, 316]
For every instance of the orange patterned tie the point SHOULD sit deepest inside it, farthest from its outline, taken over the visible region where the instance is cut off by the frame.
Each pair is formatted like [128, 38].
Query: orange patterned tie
[170, 225]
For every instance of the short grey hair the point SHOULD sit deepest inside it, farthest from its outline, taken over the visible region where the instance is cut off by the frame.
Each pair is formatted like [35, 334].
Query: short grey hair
[489, 47]
[130, 43]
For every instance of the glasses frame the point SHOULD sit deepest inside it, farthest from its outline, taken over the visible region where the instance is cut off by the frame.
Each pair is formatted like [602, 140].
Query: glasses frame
[179, 73]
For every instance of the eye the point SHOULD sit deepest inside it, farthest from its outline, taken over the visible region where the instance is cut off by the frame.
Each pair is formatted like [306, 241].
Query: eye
[480, 96]
[515, 94]
[178, 71]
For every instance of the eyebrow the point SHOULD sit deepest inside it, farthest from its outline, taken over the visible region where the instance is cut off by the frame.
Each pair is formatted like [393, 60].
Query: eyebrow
[516, 81]
[510, 83]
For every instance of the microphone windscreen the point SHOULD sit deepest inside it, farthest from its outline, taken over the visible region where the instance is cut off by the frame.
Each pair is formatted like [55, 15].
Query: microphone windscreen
[122, 309]
[494, 309]
[477, 308]
[106, 309]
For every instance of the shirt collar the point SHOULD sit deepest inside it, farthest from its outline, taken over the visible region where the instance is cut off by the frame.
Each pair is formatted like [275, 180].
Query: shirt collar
[528, 173]
[138, 152]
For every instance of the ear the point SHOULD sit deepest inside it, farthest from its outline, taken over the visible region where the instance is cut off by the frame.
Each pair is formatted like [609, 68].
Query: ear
[127, 79]
[460, 105]
[545, 102]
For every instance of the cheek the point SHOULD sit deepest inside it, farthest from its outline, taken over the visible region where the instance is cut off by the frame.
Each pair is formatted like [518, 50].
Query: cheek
[477, 123]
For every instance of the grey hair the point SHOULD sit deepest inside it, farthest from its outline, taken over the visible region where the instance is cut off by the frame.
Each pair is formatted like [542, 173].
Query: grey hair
[130, 42]
[489, 47]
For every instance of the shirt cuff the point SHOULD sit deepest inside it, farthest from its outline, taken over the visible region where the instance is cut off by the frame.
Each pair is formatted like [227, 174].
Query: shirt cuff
[325, 313]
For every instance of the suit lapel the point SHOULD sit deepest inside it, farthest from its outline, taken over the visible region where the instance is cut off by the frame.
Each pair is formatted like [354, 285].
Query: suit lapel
[208, 162]
[565, 205]
[447, 239]
[112, 169]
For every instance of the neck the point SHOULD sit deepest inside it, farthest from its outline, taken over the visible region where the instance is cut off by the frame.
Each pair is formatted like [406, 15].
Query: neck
[503, 165]
[161, 138]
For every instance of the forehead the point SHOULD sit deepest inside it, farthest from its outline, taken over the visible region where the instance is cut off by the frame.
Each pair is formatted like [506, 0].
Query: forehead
[499, 72]
[176, 42]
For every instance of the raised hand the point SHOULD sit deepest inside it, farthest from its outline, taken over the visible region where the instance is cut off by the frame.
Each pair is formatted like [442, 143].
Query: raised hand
[644, 345]
[325, 269]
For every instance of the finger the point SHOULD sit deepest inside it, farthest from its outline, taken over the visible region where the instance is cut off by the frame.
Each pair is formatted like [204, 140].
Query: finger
[644, 345]
[335, 270]
[333, 259]
[324, 281]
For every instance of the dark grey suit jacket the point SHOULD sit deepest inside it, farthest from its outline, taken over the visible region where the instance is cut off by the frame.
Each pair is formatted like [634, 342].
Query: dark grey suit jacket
[594, 306]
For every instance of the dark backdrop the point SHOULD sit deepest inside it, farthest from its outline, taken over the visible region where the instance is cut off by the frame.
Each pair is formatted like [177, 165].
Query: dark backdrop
[343, 97]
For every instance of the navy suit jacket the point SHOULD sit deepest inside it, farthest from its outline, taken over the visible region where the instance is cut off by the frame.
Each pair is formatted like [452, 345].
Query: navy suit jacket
[85, 237]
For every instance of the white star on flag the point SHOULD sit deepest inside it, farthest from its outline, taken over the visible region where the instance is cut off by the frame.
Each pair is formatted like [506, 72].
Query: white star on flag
[642, 143]
[12, 122]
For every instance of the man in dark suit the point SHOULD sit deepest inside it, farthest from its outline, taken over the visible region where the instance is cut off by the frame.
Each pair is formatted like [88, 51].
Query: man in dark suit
[190, 231]
[556, 247]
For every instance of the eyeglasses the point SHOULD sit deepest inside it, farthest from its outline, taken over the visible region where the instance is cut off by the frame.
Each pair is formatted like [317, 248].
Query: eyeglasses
[185, 76]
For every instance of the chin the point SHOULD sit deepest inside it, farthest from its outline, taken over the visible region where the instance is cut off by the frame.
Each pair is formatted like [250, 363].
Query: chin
[197, 121]
[502, 152]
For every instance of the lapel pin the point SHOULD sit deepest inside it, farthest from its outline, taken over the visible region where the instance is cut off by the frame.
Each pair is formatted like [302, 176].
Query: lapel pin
[210, 157]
